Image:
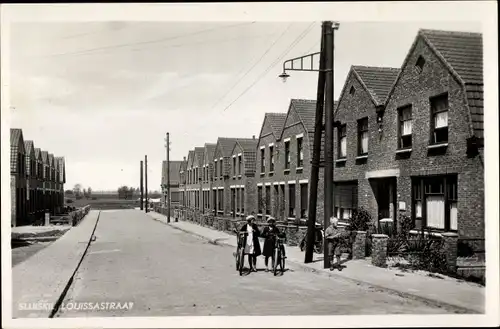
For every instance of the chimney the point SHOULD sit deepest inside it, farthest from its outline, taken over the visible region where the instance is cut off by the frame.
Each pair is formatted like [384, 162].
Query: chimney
[184, 158]
[253, 136]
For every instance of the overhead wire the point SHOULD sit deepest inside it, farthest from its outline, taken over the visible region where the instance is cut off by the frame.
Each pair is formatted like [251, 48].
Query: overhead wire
[290, 47]
[253, 66]
[147, 42]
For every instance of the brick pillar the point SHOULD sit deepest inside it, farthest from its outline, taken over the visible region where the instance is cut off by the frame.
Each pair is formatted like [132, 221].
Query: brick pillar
[358, 248]
[379, 250]
[450, 249]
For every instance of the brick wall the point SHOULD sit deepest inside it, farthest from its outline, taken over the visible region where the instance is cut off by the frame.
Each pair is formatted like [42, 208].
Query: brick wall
[13, 200]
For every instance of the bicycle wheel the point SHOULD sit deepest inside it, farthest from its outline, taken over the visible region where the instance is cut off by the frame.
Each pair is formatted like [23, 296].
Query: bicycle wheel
[242, 260]
[282, 253]
[238, 260]
[277, 261]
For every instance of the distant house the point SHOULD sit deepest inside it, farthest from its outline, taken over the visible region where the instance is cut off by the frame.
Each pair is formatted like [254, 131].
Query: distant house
[175, 192]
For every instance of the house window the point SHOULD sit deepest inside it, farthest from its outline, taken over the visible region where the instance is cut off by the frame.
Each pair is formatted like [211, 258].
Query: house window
[242, 191]
[405, 125]
[291, 198]
[439, 119]
[262, 160]
[287, 155]
[300, 154]
[259, 199]
[345, 199]
[363, 136]
[352, 90]
[239, 164]
[271, 158]
[234, 166]
[303, 200]
[268, 200]
[342, 147]
[221, 167]
[435, 202]
[420, 63]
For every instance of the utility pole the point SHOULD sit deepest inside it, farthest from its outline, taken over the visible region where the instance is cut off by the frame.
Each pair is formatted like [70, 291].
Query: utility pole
[328, 212]
[142, 188]
[168, 176]
[318, 130]
[146, 179]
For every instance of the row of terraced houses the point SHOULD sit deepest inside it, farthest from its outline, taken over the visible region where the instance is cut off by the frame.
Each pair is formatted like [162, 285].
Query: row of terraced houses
[407, 141]
[37, 180]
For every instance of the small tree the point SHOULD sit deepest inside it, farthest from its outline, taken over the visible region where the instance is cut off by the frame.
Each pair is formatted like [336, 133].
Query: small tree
[89, 193]
[77, 190]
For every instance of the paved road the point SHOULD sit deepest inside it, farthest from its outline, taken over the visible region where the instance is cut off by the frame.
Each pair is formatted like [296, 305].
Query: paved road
[166, 272]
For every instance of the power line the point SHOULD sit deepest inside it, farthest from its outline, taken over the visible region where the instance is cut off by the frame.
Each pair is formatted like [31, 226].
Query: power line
[254, 65]
[299, 38]
[148, 42]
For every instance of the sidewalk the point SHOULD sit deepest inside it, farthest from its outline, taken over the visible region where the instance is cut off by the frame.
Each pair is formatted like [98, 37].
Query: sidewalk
[43, 277]
[467, 296]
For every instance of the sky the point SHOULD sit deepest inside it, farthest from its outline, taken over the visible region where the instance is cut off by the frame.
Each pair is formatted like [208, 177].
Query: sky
[104, 94]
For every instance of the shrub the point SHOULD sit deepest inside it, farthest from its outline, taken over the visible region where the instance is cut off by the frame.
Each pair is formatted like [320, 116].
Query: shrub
[361, 220]
[69, 201]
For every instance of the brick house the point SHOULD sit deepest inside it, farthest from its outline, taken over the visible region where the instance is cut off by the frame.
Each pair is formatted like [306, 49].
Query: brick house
[221, 197]
[191, 187]
[51, 183]
[175, 187]
[39, 182]
[183, 182]
[365, 91]
[242, 177]
[18, 185]
[284, 155]
[198, 162]
[207, 176]
[424, 156]
[31, 179]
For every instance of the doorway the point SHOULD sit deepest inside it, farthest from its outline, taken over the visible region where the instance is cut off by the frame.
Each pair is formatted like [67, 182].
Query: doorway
[385, 195]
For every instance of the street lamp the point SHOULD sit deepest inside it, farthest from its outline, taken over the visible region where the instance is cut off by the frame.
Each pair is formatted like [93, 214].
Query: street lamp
[324, 97]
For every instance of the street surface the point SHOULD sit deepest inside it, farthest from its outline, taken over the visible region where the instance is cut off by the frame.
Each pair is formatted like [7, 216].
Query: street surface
[166, 272]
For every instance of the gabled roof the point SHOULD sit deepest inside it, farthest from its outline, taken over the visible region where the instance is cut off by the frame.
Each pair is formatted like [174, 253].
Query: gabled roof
[209, 152]
[306, 110]
[51, 159]
[226, 145]
[175, 167]
[249, 149]
[38, 154]
[199, 153]
[183, 165]
[45, 157]
[16, 135]
[29, 148]
[247, 144]
[190, 159]
[377, 81]
[462, 54]
[276, 121]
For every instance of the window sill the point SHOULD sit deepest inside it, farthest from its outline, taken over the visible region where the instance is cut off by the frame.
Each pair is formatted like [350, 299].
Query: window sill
[403, 151]
[299, 168]
[286, 171]
[437, 146]
[362, 157]
[262, 174]
[234, 177]
[239, 176]
[341, 160]
[437, 234]
[291, 218]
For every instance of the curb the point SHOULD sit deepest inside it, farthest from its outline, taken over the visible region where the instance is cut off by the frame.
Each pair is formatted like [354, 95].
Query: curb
[305, 268]
[70, 281]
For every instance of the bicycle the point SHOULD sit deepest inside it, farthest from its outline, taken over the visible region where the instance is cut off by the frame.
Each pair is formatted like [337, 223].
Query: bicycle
[240, 250]
[279, 254]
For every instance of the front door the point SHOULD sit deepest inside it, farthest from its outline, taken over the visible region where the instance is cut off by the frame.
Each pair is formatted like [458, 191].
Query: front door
[385, 195]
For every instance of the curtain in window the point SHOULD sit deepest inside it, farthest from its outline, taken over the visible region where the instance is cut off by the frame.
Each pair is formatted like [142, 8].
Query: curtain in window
[406, 128]
[364, 142]
[343, 147]
[346, 214]
[453, 216]
[441, 119]
[435, 211]
[418, 209]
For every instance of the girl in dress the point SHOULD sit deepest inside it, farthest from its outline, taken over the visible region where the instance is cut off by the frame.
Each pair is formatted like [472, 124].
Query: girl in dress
[269, 233]
[251, 243]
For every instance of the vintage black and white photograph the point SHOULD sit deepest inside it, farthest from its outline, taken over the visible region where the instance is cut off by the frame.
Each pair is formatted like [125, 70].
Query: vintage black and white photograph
[201, 167]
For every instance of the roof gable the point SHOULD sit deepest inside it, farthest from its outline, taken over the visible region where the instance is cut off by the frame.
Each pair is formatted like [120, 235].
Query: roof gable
[51, 159]
[175, 168]
[29, 149]
[45, 157]
[190, 159]
[199, 153]
[225, 146]
[209, 153]
[38, 154]
[462, 54]
[16, 137]
[276, 122]
[377, 81]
